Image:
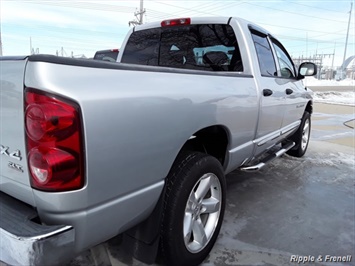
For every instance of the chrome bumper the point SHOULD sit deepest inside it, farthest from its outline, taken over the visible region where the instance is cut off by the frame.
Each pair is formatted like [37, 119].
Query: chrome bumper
[24, 242]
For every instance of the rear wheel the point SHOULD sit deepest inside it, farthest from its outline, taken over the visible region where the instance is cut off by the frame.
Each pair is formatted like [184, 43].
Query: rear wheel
[193, 209]
[301, 136]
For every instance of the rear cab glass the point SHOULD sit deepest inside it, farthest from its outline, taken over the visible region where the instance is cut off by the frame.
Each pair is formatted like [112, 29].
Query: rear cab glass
[107, 55]
[210, 47]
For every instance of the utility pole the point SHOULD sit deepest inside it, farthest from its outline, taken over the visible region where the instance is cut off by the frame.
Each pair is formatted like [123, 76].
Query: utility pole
[0, 41]
[347, 36]
[33, 50]
[0, 45]
[140, 13]
[306, 43]
[333, 55]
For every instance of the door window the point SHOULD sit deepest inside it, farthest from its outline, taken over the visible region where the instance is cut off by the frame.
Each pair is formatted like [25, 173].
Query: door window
[286, 66]
[265, 56]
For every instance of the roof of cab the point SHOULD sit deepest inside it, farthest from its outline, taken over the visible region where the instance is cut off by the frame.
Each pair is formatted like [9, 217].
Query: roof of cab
[194, 20]
[203, 20]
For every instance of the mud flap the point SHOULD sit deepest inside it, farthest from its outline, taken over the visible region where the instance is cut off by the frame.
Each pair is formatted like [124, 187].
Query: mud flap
[142, 241]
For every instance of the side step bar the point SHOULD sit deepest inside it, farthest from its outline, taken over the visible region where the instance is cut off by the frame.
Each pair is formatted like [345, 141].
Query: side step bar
[268, 159]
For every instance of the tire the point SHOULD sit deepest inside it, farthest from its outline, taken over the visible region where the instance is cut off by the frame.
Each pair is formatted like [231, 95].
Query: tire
[194, 207]
[301, 137]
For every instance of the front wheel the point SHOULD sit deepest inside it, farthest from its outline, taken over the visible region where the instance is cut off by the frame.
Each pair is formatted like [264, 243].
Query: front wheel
[301, 136]
[193, 209]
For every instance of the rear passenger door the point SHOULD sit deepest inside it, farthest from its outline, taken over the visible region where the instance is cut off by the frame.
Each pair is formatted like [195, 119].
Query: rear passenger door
[272, 98]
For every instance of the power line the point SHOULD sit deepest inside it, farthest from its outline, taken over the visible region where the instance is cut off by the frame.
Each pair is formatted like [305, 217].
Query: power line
[317, 7]
[203, 10]
[314, 39]
[84, 5]
[301, 29]
[53, 30]
[159, 15]
[189, 9]
[295, 13]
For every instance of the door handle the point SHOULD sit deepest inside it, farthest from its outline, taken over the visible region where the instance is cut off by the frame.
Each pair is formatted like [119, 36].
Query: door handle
[267, 92]
[289, 91]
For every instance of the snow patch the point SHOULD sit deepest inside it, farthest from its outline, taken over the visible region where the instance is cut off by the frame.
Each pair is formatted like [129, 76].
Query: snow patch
[336, 135]
[333, 159]
[335, 97]
[312, 81]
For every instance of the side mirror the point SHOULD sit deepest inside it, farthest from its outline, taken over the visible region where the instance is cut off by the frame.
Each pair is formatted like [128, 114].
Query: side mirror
[307, 69]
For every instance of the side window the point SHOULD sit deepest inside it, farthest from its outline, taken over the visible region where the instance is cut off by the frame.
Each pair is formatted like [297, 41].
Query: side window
[286, 66]
[265, 55]
[142, 48]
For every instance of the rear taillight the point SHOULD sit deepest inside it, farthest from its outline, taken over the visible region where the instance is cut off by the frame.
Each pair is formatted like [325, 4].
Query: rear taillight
[54, 142]
[176, 22]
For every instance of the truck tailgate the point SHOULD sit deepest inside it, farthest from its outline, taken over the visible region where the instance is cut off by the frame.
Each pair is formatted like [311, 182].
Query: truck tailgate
[14, 177]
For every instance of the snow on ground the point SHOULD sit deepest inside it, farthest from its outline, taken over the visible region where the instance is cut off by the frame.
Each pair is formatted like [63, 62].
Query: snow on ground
[312, 81]
[343, 97]
[335, 97]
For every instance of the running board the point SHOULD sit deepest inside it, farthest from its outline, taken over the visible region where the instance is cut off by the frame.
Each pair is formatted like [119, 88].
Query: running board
[268, 159]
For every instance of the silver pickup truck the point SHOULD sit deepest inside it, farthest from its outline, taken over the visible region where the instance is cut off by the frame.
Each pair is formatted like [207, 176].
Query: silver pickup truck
[93, 149]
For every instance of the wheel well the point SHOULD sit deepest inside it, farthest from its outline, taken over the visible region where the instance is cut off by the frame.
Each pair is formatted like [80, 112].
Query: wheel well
[309, 107]
[212, 140]
[144, 238]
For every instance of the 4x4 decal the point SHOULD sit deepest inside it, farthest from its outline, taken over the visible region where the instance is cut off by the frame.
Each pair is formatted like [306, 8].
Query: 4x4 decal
[14, 155]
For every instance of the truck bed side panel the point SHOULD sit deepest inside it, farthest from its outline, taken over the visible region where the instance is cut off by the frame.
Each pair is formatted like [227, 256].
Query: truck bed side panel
[14, 178]
[135, 122]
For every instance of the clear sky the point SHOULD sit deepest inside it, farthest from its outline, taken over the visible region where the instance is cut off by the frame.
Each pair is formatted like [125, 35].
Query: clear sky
[81, 27]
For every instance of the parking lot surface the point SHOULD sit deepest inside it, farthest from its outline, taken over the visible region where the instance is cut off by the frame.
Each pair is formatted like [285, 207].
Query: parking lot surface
[293, 207]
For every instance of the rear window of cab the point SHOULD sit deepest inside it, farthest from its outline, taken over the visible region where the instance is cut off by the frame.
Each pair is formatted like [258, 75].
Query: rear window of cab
[210, 47]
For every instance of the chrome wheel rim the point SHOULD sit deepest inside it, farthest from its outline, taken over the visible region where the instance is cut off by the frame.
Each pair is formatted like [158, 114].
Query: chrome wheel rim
[305, 135]
[202, 212]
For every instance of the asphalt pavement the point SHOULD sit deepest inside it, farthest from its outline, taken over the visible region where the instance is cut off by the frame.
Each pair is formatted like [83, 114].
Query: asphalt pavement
[294, 209]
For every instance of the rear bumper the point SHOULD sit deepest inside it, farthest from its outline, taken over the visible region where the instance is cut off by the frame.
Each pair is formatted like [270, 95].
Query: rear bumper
[24, 242]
